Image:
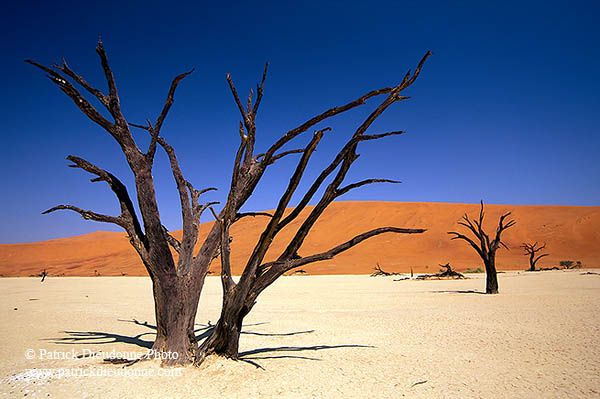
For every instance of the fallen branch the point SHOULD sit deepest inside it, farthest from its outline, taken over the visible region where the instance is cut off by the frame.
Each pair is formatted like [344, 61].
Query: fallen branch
[380, 272]
[443, 274]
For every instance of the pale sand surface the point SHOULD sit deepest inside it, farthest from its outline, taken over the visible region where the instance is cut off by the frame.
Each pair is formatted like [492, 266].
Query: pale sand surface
[538, 338]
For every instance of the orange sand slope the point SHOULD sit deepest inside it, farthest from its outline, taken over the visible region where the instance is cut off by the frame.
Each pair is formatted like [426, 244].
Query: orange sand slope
[571, 233]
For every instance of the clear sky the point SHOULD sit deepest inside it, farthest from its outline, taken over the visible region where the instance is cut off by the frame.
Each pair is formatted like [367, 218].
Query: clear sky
[507, 109]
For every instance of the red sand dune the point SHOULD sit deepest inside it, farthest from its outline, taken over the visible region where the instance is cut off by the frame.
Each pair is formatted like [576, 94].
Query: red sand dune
[570, 232]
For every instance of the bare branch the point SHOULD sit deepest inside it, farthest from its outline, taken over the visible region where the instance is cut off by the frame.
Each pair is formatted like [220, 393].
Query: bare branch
[352, 242]
[77, 98]
[236, 169]
[285, 153]
[346, 156]
[173, 242]
[417, 71]
[170, 99]
[269, 272]
[501, 228]
[366, 137]
[88, 215]
[180, 181]
[239, 216]
[81, 81]
[338, 110]
[471, 242]
[259, 90]
[114, 105]
[273, 227]
[237, 99]
[128, 214]
[349, 187]
[226, 279]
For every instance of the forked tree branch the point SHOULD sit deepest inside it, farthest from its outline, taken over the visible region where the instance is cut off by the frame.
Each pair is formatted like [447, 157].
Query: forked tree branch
[291, 134]
[81, 81]
[128, 216]
[269, 272]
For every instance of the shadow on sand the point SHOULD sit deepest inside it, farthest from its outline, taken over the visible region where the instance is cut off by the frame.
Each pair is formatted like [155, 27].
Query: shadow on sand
[458, 292]
[146, 339]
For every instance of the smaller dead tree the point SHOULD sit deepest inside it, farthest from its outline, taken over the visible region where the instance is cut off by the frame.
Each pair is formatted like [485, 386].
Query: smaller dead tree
[532, 250]
[486, 248]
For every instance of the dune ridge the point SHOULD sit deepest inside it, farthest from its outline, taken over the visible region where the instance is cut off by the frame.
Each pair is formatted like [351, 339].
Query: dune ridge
[570, 232]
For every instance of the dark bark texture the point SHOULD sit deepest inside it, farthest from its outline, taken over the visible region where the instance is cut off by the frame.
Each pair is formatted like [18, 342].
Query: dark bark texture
[485, 248]
[177, 283]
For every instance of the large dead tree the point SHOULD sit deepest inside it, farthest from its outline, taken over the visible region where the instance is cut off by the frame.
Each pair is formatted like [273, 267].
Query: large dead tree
[178, 281]
[532, 250]
[485, 247]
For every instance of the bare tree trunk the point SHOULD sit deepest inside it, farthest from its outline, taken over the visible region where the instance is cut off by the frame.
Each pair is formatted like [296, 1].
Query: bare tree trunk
[225, 337]
[491, 276]
[175, 307]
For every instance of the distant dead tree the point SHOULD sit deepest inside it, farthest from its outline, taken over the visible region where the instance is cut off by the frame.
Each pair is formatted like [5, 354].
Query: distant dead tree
[177, 284]
[43, 275]
[532, 250]
[485, 248]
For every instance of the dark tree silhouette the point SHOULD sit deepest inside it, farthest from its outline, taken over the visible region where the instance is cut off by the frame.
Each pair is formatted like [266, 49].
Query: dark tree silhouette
[178, 280]
[486, 249]
[532, 250]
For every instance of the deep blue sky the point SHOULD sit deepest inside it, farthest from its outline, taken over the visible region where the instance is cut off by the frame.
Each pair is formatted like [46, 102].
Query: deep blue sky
[506, 110]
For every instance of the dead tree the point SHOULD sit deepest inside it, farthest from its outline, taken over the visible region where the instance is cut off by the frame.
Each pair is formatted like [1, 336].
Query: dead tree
[177, 284]
[486, 249]
[240, 297]
[532, 250]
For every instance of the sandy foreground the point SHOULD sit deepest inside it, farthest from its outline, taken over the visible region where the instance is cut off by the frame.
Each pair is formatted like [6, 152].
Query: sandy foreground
[315, 336]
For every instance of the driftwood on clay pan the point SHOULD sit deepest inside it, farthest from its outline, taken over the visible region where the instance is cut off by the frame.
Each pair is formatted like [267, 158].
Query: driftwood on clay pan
[443, 274]
[380, 272]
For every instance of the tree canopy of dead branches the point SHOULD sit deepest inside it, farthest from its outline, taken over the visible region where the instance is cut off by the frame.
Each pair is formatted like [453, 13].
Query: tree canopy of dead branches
[177, 281]
[485, 248]
[532, 251]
